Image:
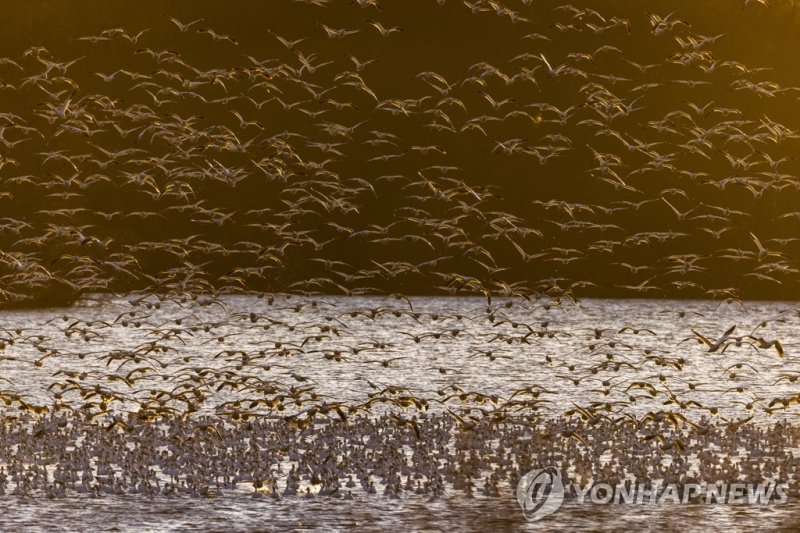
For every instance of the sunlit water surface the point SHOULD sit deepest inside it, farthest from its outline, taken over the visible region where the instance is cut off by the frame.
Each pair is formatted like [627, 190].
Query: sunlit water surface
[555, 337]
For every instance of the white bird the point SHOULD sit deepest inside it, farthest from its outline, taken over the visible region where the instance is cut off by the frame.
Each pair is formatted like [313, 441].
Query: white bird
[550, 70]
[762, 252]
[184, 27]
[714, 346]
[681, 216]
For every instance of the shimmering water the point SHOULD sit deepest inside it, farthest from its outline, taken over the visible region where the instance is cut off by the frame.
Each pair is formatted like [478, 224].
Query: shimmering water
[377, 514]
[490, 349]
[441, 342]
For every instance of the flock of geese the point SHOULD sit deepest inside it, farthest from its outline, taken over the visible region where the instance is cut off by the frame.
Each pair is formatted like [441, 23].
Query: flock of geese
[224, 191]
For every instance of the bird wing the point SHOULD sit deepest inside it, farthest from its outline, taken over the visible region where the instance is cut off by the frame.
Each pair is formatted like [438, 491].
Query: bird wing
[702, 338]
[726, 335]
[546, 62]
[758, 243]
